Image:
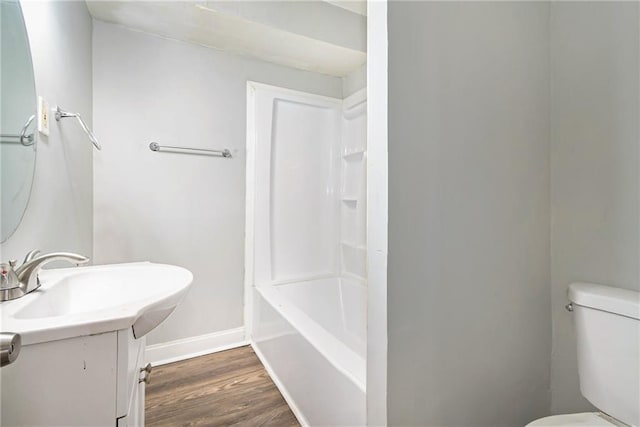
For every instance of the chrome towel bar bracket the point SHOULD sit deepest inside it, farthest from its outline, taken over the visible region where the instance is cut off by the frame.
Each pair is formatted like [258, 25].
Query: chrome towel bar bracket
[23, 138]
[61, 114]
[154, 146]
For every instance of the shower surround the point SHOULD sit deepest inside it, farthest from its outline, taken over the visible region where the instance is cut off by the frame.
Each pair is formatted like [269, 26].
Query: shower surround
[306, 286]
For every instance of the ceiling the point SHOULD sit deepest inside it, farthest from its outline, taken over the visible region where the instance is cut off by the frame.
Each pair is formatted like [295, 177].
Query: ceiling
[327, 37]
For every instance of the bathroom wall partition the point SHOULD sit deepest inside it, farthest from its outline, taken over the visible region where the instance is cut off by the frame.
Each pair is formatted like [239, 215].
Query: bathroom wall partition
[305, 269]
[521, 127]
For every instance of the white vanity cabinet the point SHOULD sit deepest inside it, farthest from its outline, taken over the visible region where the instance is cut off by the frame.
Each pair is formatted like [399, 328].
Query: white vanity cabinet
[81, 363]
[131, 376]
[91, 380]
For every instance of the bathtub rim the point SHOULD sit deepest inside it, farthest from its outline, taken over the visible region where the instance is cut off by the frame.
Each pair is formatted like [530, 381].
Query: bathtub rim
[338, 354]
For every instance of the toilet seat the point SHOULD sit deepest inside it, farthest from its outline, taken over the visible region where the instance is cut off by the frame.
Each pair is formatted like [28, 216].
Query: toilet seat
[585, 419]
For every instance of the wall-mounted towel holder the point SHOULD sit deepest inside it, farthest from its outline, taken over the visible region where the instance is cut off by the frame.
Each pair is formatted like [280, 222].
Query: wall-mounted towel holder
[154, 146]
[22, 137]
[61, 114]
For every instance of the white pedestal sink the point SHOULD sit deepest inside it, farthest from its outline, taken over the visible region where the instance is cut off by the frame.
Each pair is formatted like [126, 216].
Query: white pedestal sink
[83, 340]
[89, 300]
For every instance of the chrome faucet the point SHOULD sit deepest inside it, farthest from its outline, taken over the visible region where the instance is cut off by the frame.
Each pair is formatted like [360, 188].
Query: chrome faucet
[17, 282]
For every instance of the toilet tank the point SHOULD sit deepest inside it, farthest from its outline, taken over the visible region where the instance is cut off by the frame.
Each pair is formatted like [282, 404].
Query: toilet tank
[607, 322]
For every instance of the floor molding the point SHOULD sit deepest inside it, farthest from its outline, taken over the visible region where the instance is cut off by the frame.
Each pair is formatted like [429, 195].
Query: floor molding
[175, 351]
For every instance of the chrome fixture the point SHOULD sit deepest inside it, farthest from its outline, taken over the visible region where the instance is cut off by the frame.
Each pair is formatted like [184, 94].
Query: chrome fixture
[154, 146]
[569, 307]
[17, 282]
[22, 138]
[10, 345]
[60, 114]
[146, 374]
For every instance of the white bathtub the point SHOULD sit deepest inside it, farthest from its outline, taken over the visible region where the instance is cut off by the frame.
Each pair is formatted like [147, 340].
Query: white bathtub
[311, 337]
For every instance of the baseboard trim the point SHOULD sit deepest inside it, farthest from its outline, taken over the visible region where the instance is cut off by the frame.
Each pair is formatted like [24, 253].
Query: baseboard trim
[175, 351]
[283, 390]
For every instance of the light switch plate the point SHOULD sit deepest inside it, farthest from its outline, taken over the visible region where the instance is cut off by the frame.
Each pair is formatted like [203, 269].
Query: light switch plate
[43, 116]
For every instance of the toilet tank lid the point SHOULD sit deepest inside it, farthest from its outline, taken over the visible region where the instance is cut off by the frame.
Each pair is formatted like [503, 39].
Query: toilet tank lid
[623, 302]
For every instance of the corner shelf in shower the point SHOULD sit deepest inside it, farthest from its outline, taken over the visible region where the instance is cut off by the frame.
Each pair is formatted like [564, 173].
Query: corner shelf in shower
[350, 200]
[354, 259]
[354, 155]
[361, 279]
[354, 246]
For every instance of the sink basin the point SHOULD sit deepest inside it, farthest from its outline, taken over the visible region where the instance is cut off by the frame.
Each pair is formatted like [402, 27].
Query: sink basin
[90, 300]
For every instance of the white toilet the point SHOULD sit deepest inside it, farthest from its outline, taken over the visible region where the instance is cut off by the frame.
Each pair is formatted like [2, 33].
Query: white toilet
[607, 323]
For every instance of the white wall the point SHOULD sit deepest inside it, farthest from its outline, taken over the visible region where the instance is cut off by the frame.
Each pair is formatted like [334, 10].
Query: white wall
[59, 216]
[468, 277]
[594, 165]
[174, 208]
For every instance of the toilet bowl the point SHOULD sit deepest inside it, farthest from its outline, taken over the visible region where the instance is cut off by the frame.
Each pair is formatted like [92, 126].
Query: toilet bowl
[607, 325]
[585, 419]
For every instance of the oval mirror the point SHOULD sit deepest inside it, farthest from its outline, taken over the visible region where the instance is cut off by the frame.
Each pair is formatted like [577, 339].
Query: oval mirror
[17, 117]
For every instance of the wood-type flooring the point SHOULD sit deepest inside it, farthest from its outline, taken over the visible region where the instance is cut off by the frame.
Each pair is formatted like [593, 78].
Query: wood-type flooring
[229, 388]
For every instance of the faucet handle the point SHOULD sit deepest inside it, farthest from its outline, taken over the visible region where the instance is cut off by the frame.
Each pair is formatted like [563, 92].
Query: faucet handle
[8, 277]
[31, 255]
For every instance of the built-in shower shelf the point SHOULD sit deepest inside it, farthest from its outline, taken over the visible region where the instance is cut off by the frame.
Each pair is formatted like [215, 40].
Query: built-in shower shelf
[361, 279]
[353, 155]
[353, 195]
[352, 200]
[354, 259]
[354, 246]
